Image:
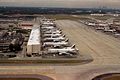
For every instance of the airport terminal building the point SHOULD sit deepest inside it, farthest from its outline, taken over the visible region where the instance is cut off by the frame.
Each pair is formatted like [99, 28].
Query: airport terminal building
[33, 45]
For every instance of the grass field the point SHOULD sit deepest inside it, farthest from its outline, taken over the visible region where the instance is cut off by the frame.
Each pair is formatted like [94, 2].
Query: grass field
[61, 17]
[47, 61]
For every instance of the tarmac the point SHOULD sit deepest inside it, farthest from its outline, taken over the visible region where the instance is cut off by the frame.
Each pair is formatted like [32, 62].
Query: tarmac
[104, 49]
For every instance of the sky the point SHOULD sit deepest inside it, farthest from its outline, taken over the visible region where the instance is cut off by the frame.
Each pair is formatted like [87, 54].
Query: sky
[62, 3]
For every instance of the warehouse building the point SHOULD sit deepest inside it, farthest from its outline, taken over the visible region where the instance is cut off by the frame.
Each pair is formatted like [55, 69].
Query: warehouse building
[33, 45]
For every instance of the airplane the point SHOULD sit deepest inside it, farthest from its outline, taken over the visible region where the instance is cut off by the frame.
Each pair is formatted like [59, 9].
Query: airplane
[62, 43]
[100, 28]
[48, 27]
[110, 30]
[61, 38]
[47, 35]
[61, 50]
[66, 40]
[117, 34]
[47, 23]
[53, 32]
[67, 54]
[53, 36]
[54, 40]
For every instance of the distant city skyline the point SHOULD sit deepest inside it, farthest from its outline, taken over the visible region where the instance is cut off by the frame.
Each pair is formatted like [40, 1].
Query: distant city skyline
[62, 3]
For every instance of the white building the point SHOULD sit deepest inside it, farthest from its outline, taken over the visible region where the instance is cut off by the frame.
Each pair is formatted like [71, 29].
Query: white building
[33, 45]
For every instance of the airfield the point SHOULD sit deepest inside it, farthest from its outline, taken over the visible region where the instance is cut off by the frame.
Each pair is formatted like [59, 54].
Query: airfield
[103, 48]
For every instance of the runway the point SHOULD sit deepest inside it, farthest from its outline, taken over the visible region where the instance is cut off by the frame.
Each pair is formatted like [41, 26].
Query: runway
[104, 49]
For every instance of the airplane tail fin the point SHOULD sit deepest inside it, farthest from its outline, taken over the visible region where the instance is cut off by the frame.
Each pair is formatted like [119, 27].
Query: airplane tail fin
[73, 46]
[63, 35]
[60, 32]
[67, 40]
[59, 29]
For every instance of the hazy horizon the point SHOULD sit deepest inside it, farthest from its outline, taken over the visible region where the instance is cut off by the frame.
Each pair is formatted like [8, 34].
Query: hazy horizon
[62, 3]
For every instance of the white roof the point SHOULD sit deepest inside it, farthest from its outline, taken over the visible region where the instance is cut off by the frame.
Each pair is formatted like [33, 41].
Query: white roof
[102, 24]
[91, 24]
[35, 35]
[48, 23]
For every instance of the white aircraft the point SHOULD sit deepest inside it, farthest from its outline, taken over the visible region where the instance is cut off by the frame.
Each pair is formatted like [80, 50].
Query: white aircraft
[55, 43]
[53, 32]
[53, 36]
[48, 27]
[55, 40]
[100, 28]
[61, 38]
[47, 23]
[57, 34]
[61, 50]
[110, 30]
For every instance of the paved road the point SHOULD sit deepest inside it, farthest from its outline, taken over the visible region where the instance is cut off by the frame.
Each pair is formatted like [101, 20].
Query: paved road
[103, 48]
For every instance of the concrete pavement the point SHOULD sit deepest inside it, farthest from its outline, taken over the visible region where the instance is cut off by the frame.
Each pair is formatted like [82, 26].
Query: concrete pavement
[105, 50]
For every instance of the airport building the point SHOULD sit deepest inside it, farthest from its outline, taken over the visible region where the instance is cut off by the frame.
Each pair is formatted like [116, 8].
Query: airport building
[33, 45]
[55, 44]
